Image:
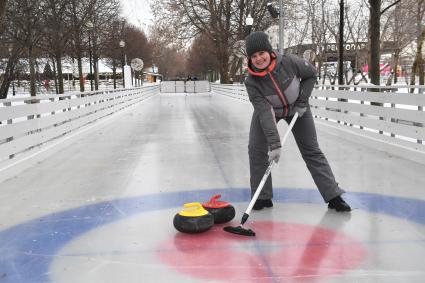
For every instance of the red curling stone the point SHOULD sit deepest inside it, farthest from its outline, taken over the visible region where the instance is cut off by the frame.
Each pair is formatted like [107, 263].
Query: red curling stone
[222, 211]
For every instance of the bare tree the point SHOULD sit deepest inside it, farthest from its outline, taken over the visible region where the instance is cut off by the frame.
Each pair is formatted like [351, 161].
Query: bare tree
[399, 31]
[137, 45]
[221, 21]
[356, 26]
[111, 49]
[25, 18]
[418, 63]
[172, 64]
[79, 14]
[375, 13]
[56, 34]
[103, 14]
[374, 43]
[298, 17]
[13, 56]
[197, 62]
[318, 30]
[163, 43]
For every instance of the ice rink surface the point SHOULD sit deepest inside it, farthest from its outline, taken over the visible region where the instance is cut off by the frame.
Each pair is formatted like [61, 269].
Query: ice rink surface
[100, 208]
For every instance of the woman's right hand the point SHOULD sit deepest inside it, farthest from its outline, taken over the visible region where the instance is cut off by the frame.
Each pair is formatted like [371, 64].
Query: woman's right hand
[274, 155]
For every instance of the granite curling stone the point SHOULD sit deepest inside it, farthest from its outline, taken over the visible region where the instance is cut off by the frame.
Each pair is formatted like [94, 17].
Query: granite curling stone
[193, 219]
[222, 211]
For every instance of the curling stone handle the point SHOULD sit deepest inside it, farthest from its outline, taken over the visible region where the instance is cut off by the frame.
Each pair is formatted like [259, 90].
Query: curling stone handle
[214, 199]
[196, 205]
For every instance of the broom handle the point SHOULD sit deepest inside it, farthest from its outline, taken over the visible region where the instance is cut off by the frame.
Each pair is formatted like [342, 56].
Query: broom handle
[269, 169]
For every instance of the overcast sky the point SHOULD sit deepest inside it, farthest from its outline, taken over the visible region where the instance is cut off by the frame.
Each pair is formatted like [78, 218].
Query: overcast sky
[137, 12]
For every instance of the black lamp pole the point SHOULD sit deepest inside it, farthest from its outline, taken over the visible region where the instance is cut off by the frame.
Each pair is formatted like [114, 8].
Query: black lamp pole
[123, 60]
[249, 21]
[91, 66]
[341, 44]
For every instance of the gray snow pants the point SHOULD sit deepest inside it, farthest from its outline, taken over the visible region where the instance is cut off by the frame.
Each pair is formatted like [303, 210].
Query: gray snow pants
[304, 132]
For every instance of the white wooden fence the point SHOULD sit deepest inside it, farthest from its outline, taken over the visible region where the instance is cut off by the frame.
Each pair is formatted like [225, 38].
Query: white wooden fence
[30, 122]
[391, 119]
[185, 86]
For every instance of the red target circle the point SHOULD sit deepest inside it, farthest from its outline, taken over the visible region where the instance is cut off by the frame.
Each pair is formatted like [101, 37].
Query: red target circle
[280, 251]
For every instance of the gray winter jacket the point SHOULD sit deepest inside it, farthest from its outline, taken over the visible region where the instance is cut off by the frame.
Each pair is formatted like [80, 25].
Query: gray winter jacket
[287, 82]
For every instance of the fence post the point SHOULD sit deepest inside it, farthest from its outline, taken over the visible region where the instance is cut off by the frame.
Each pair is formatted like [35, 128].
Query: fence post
[9, 121]
[392, 120]
[420, 108]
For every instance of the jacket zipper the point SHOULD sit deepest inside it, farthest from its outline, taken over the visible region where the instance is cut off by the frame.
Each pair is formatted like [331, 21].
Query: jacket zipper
[281, 96]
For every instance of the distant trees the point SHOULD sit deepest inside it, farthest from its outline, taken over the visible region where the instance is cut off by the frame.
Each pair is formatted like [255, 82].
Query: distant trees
[167, 53]
[221, 21]
[56, 35]
[380, 23]
[307, 21]
[56, 30]
[199, 37]
[201, 57]
[418, 67]
[24, 28]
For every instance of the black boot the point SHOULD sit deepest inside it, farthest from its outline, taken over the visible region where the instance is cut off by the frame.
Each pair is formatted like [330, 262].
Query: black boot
[262, 203]
[339, 204]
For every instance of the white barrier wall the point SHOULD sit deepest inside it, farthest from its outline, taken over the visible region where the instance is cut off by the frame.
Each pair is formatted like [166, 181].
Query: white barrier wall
[31, 122]
[391, 120]
[185, 86]
[128, 82]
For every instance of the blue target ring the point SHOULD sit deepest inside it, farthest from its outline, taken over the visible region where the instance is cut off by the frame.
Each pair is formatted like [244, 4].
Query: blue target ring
[26, 249]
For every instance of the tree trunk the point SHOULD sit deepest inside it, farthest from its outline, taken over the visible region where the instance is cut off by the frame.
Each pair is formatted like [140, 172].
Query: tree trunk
[8, 76]
[420, 69]
[114, 72]
[55, 73]
[374, 41]
[224, 67]
[80, 70]
[418, 63]
[396, 59]
[2, 12]
[224, 74]
[96, 71]
[32, 71]
[59, 71]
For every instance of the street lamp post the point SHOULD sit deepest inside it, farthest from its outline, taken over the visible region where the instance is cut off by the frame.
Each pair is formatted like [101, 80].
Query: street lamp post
[249, 21]
[281, 26]
[122, 45]
[123, 60]
[341, 44]
[278, 14]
